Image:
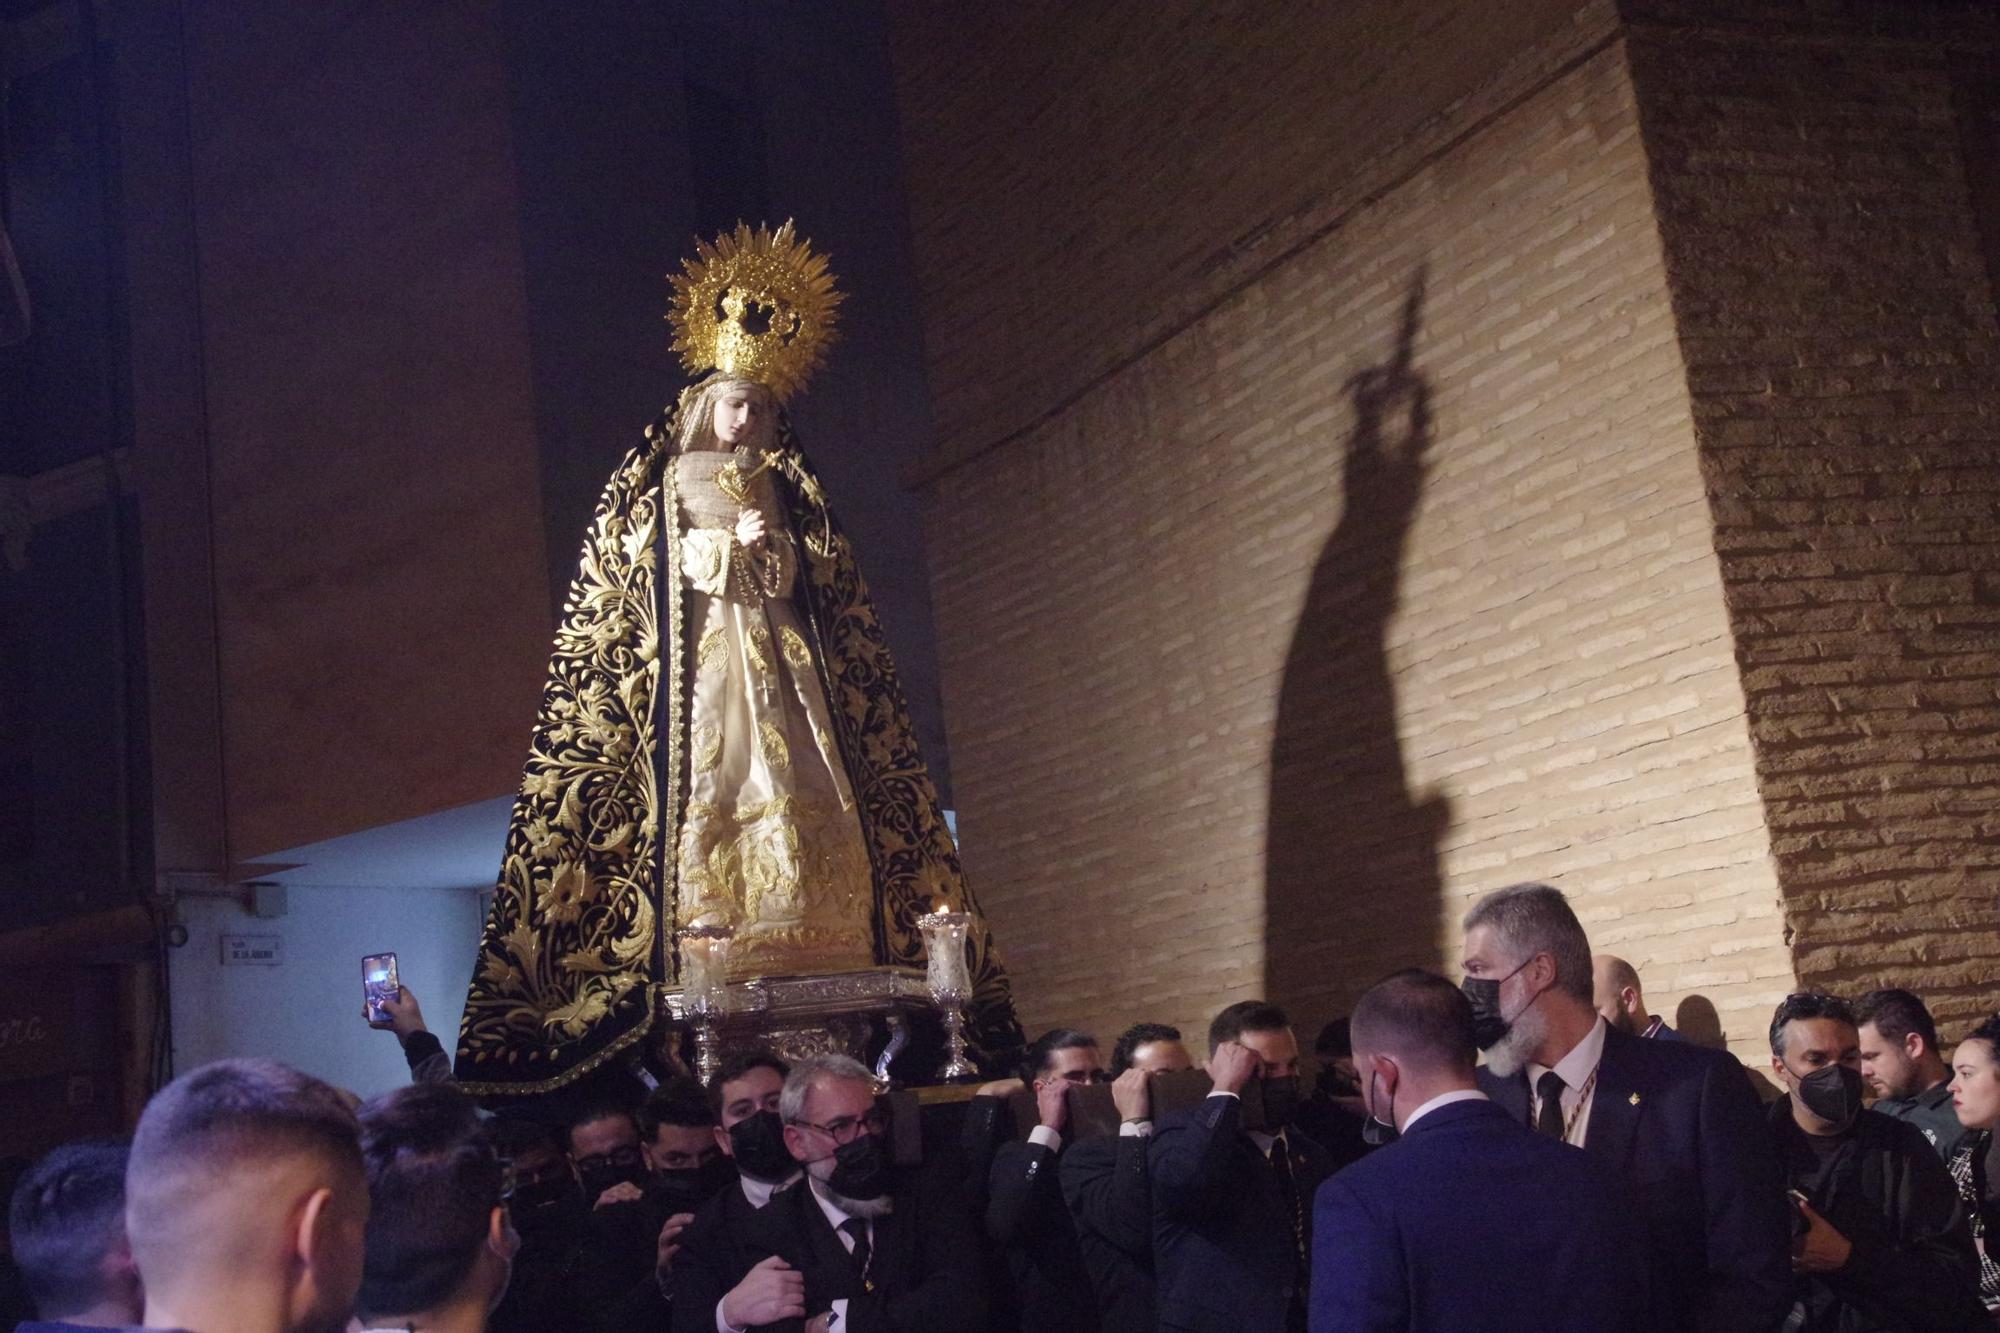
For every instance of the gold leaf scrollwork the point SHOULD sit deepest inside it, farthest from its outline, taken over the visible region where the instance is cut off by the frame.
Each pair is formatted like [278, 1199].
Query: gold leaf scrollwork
[771, 742]
[707, 749]
[713, 649]
[797, 655]
[760, 649]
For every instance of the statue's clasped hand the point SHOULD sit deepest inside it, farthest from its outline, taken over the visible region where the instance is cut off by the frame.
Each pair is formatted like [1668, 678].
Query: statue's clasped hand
[750, 528]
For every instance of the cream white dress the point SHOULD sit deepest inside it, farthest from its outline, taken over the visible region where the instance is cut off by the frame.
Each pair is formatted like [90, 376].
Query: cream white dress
[770, 841]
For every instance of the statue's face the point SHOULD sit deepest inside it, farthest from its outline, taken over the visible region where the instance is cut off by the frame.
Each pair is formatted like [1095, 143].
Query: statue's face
[742, 415]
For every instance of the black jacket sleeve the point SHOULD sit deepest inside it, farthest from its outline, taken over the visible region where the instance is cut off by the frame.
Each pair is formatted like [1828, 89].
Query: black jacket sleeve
[1023, 1175]
[707, 1267]
[1106, 1190]
[1190, 1158]
[1743, 1192]
[1913, 1259]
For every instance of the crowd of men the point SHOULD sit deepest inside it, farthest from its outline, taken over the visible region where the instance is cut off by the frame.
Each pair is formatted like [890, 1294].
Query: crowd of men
[1594, 1174]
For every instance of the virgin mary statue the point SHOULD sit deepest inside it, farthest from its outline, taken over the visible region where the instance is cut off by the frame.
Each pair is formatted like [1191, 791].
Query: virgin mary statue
[723, 740]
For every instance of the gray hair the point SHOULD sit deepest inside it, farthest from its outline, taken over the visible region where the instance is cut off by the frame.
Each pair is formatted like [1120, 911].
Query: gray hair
[810, 1073]
[1528, 919]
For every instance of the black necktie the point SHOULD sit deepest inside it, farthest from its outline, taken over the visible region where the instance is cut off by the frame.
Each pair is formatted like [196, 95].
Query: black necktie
[1550, 1121]
[857, 1231]
[1288, 1189]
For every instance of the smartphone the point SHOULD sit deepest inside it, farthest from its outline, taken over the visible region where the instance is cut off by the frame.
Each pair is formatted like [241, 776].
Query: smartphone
[378, 983]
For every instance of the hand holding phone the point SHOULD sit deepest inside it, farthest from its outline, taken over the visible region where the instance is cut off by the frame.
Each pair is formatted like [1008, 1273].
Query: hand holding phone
[379, 982]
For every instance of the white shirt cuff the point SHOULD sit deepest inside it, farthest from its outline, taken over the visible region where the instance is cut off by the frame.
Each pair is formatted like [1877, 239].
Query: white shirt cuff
[1224, 1092]
[1135, 1129]
[1047, 1137]
[839, 1309]
[723, 1325]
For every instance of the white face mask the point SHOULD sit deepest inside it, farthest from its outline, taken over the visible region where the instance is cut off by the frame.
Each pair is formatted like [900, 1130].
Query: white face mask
[1375, 1130]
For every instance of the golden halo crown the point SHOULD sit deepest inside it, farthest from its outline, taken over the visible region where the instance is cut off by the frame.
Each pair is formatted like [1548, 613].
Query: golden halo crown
[756, 305]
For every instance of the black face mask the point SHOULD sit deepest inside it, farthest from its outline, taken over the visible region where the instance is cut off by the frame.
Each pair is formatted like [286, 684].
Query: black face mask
[1832, 1093]
[546, 1207]
[685, 1189]
[598, 1179]
[758, 1143]
[860, 1169]
[1489, 1026]
[1281, 1100]
[1376, 1132]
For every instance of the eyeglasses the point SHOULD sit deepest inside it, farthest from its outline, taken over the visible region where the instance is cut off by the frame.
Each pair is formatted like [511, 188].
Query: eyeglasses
[846, 1129]
[616, 1157]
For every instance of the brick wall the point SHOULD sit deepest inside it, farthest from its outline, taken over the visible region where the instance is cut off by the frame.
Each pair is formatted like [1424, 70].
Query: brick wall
[1086, 179]
[1192, 589]
[1838, 324]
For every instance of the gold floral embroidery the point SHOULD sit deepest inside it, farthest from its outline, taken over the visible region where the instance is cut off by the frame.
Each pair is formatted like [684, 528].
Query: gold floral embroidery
[563, 898]
[760, 649]
[708, 562]
[797, 655]
[713, 649]
[772, 742]
[707, 749]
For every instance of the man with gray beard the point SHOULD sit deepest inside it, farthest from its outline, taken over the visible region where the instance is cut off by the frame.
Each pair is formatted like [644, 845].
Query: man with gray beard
[858, 1245]
[1679, 1123]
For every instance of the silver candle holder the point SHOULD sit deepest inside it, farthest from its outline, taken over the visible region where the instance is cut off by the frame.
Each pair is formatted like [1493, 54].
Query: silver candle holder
[705, 988]
[950, 983]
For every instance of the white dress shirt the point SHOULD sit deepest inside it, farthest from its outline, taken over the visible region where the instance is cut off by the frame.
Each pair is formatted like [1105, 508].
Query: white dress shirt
[759, 1192]
[1575, 1070]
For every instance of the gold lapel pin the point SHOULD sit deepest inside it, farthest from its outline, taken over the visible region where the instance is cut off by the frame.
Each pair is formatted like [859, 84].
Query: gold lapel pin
[1635, 1099]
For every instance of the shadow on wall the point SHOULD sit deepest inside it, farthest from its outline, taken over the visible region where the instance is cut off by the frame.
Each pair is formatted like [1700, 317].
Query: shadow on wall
[1352, 883]
[1696, 1019]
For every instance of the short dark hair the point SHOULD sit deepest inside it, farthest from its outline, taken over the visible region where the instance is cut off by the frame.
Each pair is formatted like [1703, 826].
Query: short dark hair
[1334, 1040]
[1042, 1051]
[67, 1213]
[590, 1112]
[1246, 1016]
[738, 1063]
[515, 1135]
[1132, 1038]
[1537, 918]
[680, 1101]
[197, 1133]
[1896, 1014]
[1807, 1004]
[434, 1180]
[1418, 1017]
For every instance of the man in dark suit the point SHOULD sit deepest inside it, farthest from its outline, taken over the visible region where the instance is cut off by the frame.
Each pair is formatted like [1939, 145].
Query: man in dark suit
[1025, 1213]
[1106, 1185]
[717, 1250]
[1678, 1122]
[1232, 1194]
[856, 1246]
[1617, 995]
[1432, 1234]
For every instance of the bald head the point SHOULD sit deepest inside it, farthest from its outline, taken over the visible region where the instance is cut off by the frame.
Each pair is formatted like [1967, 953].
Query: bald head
[1615, 993]
[246, 1185]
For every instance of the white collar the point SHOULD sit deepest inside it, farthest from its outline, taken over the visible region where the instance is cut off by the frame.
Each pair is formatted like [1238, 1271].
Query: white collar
[1264, 1141]
[1575, 1068]
[1442, 1099]
[759, 1192]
